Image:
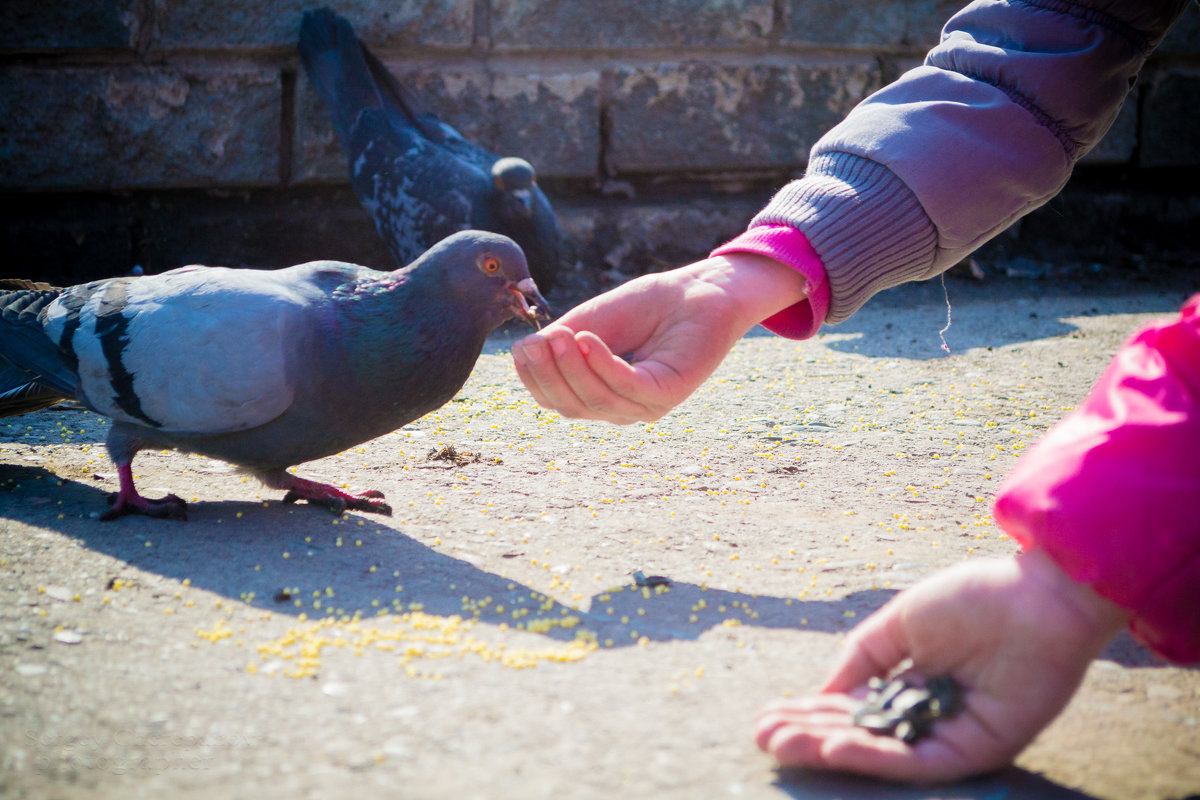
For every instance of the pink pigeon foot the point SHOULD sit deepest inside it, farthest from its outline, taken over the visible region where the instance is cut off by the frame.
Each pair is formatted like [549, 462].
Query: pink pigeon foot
[322, 494]
[127, 501]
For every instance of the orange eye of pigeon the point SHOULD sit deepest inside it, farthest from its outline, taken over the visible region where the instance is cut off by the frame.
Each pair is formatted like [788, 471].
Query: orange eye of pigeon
[491, 264]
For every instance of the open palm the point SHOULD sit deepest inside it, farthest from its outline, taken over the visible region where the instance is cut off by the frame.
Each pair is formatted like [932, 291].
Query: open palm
[1017, 635]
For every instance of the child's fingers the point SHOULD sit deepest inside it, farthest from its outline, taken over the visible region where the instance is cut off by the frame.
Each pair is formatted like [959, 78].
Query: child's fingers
[812, 712]
[524, 355]
[590, 369]
[631, 390]
[821, 734]
[871, 650]
[858, 750]
[534, 359]
[575, 374]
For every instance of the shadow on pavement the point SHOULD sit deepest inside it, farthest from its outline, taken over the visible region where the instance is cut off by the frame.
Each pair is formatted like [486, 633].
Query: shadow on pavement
[910, 321]
[295, 559]
[1008, 784]
[362, 564]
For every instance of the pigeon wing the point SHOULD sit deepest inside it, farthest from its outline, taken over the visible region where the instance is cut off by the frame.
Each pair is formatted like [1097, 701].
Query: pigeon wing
[196, 350]
[417, 191]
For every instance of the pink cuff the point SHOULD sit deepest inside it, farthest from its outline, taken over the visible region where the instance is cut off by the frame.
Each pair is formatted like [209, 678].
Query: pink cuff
[1110, 493]
[788, 246]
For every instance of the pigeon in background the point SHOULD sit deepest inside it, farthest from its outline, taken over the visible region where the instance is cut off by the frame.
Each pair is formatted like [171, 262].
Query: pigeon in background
[418, 177]
[262, 368]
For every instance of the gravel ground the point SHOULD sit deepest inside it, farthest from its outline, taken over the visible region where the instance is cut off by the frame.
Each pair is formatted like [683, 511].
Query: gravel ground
[488, 640]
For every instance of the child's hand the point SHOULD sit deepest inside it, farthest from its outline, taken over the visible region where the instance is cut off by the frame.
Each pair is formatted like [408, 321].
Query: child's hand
[677, 326]
[1017, 635]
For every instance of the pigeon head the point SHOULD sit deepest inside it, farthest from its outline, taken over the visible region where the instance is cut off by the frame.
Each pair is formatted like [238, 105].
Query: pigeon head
[515, 179]
[489, 274]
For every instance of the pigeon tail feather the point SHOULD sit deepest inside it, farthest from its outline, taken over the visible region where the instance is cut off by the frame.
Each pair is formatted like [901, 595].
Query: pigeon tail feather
[33, 370]
[25, 283]
[398, 98]
[351, 79]
[25, 397]
[333, 60]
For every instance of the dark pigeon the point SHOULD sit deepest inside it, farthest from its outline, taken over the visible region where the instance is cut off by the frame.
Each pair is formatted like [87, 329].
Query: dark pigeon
[417, 176]
[262, 368]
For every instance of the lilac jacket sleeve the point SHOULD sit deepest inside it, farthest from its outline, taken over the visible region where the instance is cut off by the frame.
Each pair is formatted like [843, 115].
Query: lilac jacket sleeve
[953, 152]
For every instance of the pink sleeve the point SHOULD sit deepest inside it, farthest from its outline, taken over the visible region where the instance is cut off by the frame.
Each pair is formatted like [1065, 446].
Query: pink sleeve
[1112, 492]
[788, 246]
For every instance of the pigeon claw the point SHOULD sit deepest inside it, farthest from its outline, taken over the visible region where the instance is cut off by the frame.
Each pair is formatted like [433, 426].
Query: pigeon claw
[370, 505]
[337, 501]
[169, 507]
[126, 501]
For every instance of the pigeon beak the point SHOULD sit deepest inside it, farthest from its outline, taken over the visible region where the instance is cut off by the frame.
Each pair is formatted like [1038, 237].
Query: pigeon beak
[525, 202]
[530, 305]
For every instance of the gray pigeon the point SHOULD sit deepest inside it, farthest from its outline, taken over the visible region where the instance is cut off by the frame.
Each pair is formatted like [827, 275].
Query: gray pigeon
[417, 176]
[262, 368]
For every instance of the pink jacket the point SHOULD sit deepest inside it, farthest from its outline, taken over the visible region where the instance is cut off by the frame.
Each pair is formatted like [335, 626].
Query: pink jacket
[1112, 492]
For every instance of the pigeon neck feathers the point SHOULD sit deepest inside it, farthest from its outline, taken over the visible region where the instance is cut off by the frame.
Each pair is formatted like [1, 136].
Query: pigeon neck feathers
[430, 318]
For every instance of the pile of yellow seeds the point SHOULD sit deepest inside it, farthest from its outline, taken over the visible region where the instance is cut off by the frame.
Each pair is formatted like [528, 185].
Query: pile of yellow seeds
[415, 637]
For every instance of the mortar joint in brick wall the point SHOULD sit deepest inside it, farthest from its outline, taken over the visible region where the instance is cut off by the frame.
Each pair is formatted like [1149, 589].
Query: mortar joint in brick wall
[778, 21]
[144, 13]
[287, 124]
[481, 39]
[604, 124]
[1141, 96]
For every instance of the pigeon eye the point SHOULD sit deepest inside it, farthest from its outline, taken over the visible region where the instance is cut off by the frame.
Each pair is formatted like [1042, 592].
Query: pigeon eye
[491, 265]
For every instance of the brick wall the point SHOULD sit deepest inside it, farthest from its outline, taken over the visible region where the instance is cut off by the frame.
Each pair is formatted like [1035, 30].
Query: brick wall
[166, 131]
